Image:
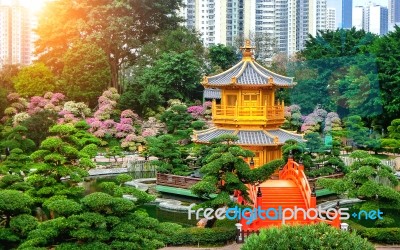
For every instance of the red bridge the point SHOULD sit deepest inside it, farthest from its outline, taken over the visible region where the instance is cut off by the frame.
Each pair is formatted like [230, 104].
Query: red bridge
[292, 190]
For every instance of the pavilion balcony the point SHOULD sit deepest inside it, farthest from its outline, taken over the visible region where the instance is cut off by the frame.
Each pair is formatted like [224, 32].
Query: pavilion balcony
[248, 115]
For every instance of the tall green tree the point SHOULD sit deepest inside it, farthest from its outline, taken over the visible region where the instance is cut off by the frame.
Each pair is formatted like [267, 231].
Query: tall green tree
[387, 51]
[34, 80]
[118, 27]
[358, 92]
[7, 72]
[173, 76]
[361, 135]
[222, 56]
[67, 153]
[177, 40]
[86, 73]
[394, 129]
[171, 159]
[325, 59]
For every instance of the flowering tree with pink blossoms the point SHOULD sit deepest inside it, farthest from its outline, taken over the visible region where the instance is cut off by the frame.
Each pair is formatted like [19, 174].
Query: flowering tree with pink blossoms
[17, 105]
[292, 117]
[313, 122]
[332, 122]
[109, 124]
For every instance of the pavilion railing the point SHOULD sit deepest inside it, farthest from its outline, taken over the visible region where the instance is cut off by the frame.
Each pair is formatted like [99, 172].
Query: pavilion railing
[257, 112]
[176, 180]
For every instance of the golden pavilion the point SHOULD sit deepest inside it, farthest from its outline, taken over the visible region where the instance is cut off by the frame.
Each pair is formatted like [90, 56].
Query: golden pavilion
[247, 108]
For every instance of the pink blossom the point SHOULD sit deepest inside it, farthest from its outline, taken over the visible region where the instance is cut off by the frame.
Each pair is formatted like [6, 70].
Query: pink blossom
[129, 114]
[57, 97]
[103, 99]
[13, 97]
[96, 124]
[130, 137]
[99, 133]
[109, 123]
[127, 128]
[149, 132]
[126, 121]
[196, 111]
[207, 104]
[120, 134]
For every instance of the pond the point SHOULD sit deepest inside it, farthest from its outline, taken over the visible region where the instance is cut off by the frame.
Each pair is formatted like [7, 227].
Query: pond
[92, 185]
[169, 216]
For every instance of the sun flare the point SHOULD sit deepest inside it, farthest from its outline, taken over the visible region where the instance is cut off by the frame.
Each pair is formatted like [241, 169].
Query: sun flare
[33, 5]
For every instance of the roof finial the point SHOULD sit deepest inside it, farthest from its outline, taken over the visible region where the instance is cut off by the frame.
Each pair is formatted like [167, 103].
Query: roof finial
[247, 50]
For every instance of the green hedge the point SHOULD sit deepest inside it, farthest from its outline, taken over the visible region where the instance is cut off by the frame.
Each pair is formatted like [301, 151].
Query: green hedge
[377, 235]
[223, 232]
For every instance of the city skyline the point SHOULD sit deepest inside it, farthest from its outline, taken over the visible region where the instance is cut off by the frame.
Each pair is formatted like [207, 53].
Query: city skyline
[337, 4]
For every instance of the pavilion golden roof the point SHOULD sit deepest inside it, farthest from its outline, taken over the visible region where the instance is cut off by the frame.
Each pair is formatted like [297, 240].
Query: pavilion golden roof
[248, 73]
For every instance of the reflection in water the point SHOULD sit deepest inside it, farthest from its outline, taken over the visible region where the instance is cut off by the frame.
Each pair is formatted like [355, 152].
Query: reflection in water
[169, 216]
[92, 185]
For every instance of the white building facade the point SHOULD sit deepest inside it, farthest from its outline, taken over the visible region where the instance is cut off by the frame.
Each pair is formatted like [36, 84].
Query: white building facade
[331, 19]
[15, 35]
[372, 18]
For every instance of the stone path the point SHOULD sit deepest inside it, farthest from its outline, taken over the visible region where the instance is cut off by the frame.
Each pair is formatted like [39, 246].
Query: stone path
[106, 171]
[138, 183]
[168, 204]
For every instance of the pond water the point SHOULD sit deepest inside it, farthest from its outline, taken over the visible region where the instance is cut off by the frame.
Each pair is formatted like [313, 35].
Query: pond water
[169, 216]
[91, 185]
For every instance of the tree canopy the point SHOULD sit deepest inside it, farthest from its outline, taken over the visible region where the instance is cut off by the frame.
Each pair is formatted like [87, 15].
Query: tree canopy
[34, 80]
[118, 27]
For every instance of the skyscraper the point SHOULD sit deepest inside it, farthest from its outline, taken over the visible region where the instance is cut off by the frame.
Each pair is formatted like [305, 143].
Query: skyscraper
[347, 12]
[218, 21]
[331, 19]
[378, 19]
[287, 22]
[394, 13]
[358, 17]
[15, 35]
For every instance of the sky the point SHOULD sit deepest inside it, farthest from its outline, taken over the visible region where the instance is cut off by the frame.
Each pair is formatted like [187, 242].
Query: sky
[337, 4]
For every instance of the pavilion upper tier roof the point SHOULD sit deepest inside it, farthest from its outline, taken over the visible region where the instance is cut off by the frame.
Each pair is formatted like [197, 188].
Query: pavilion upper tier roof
[248, 73]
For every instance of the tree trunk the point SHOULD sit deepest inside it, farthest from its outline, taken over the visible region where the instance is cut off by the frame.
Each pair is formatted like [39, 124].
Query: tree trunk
[8, 218]
[114, 67]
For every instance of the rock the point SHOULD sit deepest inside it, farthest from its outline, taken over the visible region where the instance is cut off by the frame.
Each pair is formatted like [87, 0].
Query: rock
[397, 165]
[202, 223]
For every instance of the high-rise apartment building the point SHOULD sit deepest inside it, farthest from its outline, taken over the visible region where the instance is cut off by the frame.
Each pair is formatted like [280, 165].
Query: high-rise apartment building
[15, 35]
[394, 11]
[347, 14]
[358, 17]
[331, 19]
[374, 18]
[321, 15]
[218, 21]
[287, 22]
